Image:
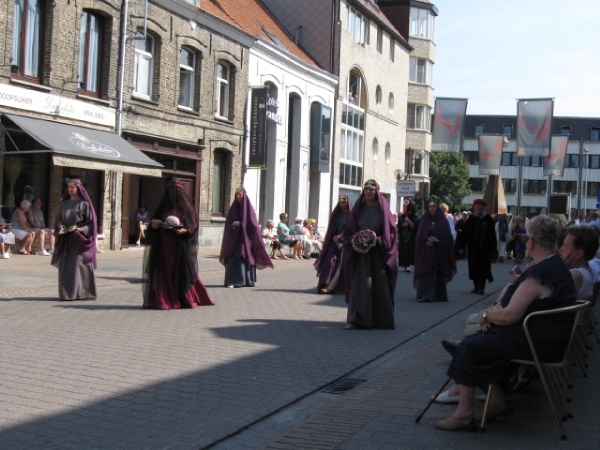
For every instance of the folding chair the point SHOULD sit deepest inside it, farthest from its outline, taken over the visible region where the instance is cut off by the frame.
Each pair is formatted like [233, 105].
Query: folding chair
[551, 374]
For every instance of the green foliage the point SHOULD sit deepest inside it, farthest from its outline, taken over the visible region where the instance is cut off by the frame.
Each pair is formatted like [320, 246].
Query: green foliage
[449, 174]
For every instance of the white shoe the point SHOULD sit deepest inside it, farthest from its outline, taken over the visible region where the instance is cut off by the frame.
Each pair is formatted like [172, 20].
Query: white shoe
[43, 252]
[51, 251]
[4, 256]
[446, 399]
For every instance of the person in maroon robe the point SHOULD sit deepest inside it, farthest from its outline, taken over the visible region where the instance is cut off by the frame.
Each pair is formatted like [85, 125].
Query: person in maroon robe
[170, 276]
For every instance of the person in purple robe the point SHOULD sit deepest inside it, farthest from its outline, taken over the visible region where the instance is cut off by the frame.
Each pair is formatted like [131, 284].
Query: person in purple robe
[170, 274]
[329, 262]
[74, 254]
[242, 250]
[370, 259]
[434, 255]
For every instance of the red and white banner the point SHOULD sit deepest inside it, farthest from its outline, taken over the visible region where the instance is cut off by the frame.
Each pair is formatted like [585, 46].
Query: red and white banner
[448, 123]
[534, 125]
[490, 153]
[554, 163]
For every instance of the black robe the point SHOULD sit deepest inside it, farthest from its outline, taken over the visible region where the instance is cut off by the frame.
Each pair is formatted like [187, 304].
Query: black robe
[480, 237]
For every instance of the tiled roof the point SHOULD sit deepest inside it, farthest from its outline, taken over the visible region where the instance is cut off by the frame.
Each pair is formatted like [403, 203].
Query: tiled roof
[254, 18]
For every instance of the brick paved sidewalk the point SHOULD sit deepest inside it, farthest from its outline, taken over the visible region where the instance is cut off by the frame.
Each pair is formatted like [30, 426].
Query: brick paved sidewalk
[380, 414]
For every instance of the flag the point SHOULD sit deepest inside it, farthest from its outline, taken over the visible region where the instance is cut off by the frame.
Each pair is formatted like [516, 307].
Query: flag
[534, 125]
[448, 123]
[490, 153]
[554, 163]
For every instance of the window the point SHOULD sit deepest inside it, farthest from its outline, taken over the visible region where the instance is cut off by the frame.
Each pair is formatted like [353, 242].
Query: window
[187, 78]
[415, 161]
[478, 184]
[379, 40]
[510, 186]
[595, 134]
[419, 71]
[388, 153]
[534, 186]
[356, 96]
[391, 102]
[144, 66]
[418, 117]
[508, 131]
[565, 130]
[564, 187]
[223, 90]
[421, 23]
[90, 52]
[357, 25]
[509, 159]
[392, 49]
[594, 161]
[592, 188]
[375, 149]
[571, 161]
[219, 182]
[352, 138]
[471, 157]
[378, 95]
[478, 129]
[27, 39]
[532, 161]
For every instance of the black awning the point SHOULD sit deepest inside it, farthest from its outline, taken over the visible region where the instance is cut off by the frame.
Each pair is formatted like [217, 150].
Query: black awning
[87, 148]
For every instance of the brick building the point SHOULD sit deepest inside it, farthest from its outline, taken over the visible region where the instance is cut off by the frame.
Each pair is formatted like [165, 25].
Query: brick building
[178, 99]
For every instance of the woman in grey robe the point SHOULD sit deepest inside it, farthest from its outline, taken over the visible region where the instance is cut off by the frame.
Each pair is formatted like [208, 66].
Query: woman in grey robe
[75, 251]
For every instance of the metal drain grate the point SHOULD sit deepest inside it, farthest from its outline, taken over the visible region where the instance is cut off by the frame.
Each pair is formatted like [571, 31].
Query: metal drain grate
[343, 386]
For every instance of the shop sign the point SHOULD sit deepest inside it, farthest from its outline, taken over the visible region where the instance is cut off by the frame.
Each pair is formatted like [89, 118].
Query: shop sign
[56, 106]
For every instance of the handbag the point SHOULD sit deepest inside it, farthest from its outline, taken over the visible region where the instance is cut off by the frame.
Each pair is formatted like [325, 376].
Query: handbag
[472, 327]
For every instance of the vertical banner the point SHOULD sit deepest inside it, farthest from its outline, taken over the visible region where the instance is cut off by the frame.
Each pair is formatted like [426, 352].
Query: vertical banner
[448, 123]
[490, 153]
[534, 125]
[554, 163]
[258, 127]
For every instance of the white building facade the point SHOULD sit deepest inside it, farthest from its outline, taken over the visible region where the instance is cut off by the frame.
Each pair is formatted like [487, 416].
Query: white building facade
[291, 182]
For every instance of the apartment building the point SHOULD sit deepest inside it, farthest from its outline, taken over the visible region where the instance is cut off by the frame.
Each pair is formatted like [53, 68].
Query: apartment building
[526, 189]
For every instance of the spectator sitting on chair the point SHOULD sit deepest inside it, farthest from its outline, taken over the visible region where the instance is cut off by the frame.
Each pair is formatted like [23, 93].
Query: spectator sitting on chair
[35, 217]
[317, 244]
[272, 244]
[298, 229]
[141, 221]
[285, 238]
[6, 238]
[577, 249]
[21, 229]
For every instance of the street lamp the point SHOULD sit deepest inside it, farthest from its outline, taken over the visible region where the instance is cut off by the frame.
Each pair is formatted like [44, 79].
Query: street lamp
[587, 169]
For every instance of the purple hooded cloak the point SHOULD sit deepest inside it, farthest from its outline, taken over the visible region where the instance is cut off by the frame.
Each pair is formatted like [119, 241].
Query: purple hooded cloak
[244, 241]
[86, 244]
[325, 263]
[387, 241]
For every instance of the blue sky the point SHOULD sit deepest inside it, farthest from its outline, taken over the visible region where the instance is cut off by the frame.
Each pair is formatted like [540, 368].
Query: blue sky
[494, 52]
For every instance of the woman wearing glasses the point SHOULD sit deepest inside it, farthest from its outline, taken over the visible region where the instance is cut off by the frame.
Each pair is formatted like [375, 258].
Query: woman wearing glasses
[370, 261]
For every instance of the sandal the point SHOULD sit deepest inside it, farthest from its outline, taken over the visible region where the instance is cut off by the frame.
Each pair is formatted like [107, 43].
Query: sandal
[21, 252]
[325, 291]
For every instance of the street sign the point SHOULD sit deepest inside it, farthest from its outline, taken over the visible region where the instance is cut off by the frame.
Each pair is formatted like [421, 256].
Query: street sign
[405, 188]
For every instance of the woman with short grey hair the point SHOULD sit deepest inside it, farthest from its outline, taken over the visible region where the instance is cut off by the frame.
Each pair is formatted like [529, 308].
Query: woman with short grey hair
[272, 244]
[21, 229]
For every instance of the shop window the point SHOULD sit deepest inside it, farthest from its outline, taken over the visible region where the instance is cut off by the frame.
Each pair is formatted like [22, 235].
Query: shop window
[90, 52]
[219, 182]
[26, 58]
[20, 170]
[144, 67]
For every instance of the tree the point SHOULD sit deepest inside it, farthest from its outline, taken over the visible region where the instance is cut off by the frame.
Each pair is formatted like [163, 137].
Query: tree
[449, 174]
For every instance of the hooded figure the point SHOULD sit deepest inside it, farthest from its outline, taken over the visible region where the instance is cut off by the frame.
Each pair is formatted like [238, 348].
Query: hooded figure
[434, 255]
[170, 274]
[242, 250]
[329, 263]
[370, 273]
[75, 229]
[480, 234]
